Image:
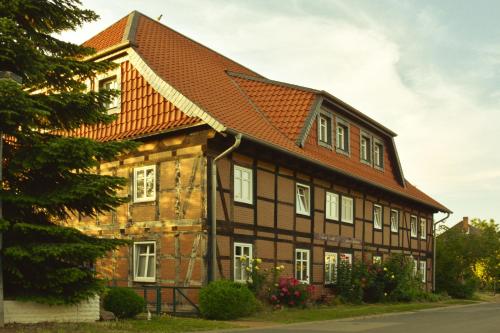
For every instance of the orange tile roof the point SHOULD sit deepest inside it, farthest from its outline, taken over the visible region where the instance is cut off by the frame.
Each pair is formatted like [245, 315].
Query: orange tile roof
[110, 36]
[143, 111]
[242, 100]
[286, 106]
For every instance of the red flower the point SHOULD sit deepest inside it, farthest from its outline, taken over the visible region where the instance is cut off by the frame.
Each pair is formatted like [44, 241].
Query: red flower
[274, 298]
[297, 293]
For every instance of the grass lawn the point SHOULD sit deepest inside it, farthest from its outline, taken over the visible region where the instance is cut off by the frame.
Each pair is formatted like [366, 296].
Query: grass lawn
[156, 325]
[264, 318]
[287, 316]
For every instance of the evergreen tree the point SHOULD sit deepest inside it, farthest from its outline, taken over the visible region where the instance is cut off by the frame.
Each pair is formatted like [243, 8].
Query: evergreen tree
[49, 177]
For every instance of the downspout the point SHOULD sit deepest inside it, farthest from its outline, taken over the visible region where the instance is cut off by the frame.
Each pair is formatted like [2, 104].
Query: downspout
[434, 250]
[213, 202]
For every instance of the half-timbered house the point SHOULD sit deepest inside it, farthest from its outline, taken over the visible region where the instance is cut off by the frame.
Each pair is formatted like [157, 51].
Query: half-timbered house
[302, 179]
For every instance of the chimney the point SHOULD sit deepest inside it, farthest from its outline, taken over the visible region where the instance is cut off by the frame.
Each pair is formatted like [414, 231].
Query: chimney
[465, 224]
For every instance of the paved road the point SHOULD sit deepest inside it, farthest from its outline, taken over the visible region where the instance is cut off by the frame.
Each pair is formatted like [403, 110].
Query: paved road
[481, 318]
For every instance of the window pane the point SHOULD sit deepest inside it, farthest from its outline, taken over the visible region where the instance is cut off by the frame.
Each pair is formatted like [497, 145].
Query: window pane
[139, 181]
[150, 183]
[151, 266]
[237, 183]
[237, 269]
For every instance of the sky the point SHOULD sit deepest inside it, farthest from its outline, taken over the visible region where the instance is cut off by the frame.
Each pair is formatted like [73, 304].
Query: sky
[428, 70]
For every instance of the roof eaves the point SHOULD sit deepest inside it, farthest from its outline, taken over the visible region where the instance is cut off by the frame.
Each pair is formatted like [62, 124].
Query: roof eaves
[171, 94]
[309, 120]
[398, 163]
[440, 208]
[109, 50]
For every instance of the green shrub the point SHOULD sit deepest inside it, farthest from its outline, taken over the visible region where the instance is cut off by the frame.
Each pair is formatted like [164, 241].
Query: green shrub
[123, 302]
[226, 300]
[402, 285]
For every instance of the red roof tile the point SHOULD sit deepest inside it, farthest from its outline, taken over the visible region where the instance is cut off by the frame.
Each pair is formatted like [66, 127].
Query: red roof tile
[146, 112]
[262, 110]
[108, 37]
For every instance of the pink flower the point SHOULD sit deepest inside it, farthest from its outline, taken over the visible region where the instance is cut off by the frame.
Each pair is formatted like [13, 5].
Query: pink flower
[274, 298]
[284, 290]
[291, 303]
[297, 293]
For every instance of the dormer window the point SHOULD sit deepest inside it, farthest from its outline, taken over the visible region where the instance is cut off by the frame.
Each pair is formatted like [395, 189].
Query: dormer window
[378, 155]
[111, 83]
[325, 130]
[342, 142]
[366, 149]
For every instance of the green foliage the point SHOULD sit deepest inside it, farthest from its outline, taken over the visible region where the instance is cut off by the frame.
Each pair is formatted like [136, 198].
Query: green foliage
[123, 302]
[48, 175]
[402, 284]
[393, 281]
[456, 254]
[225, 300]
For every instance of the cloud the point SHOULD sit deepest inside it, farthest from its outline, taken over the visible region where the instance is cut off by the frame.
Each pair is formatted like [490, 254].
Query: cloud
[400, 63]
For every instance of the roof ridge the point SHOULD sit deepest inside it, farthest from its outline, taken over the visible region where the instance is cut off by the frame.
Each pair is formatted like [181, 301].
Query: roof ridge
[256, 108]
[269, 81]
[131, 27]
[198, 43]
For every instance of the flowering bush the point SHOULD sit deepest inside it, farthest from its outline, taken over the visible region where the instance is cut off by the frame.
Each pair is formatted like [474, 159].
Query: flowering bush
[290, 292]
[392, 281]
[269, 285]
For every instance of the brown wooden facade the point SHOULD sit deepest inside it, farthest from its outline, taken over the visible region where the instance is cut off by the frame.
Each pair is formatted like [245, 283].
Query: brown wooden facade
[275, 230]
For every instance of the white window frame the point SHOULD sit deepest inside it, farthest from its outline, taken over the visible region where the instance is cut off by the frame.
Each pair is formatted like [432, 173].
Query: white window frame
[332, 206]
[396, 229]
[238, 183]
[378, 154]
[365, 148]
[148, 254]
[331, 261]
[377, 259]
[306, 210]
[144, 169]
[236, 258]
[325, 129]
[378, 222]
[299, 264]
[345, 218]
[423, 270]
[342, 137]
[423, 231]
[413, 226]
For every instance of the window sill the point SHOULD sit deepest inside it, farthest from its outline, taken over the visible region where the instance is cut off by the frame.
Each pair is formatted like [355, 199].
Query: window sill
[113, 110]
[377, 228]
[347, 222]
[394, 231]
[243, 203]
[303, 214]
[343, 152]
[145, 280]
[144, 200]
[325, 145]
[368, 163]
